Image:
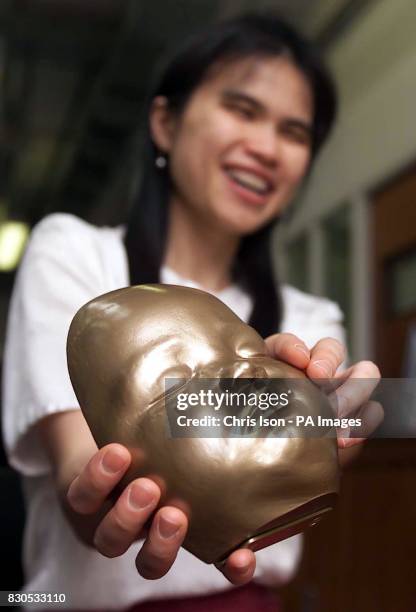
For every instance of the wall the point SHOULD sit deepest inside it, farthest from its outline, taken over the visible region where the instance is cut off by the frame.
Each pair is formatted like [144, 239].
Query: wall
[374, 64]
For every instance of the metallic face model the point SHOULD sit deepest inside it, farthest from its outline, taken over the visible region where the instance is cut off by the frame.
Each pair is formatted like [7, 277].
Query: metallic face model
[247, 491]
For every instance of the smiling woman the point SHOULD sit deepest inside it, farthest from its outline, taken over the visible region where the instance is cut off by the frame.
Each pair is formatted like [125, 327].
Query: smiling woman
[242, 145]
[234, 124]
[238, 115]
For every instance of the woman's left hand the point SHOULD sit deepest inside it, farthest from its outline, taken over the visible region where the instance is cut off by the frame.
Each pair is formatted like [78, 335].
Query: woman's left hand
[322, 362]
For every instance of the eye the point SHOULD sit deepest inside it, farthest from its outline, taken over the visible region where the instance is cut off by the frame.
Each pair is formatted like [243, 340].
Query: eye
[298, 135]
[247, 113]
[170, 381]
[175, 377]
[242, 110]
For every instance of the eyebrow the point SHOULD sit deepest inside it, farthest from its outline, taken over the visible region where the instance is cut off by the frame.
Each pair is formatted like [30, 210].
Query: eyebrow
[233, 95]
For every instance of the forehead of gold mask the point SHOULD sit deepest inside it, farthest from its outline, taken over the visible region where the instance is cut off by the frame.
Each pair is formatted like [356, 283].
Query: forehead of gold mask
[191, 325]
[131, 339]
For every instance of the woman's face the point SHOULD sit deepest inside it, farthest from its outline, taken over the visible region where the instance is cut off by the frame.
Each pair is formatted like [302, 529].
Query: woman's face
[242, 145]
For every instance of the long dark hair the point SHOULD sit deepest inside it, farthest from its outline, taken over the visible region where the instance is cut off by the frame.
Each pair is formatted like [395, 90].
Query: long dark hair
[238, 38]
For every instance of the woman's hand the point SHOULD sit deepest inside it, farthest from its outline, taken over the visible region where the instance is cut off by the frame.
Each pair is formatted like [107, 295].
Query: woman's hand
[125, 521]
[321, 363]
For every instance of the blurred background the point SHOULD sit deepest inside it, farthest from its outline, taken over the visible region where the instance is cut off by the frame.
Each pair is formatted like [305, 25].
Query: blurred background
[73, 80]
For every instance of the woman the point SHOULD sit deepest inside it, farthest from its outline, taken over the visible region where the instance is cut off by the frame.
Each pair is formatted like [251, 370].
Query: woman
[234, 125]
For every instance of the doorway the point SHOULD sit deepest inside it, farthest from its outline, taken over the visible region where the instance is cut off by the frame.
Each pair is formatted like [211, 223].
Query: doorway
[394, 223]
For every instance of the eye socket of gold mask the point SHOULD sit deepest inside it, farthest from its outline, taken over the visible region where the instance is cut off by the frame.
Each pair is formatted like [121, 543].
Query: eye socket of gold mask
[236, 491]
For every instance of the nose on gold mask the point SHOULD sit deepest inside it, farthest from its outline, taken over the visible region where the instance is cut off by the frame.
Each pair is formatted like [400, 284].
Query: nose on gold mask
[236, 492]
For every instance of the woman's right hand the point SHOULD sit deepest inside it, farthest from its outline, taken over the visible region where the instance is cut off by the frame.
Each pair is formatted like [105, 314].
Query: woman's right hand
[125, 520]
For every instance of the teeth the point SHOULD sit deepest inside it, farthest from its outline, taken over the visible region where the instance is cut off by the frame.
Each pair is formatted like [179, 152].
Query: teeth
[250, 180]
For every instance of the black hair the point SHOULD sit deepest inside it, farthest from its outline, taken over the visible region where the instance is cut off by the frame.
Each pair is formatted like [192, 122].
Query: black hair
[237, 38]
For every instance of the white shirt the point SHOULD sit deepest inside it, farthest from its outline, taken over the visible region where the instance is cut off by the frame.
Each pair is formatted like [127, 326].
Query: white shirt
[67, 263]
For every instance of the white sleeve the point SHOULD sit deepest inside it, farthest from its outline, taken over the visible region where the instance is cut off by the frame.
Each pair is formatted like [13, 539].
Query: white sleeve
[60, 271]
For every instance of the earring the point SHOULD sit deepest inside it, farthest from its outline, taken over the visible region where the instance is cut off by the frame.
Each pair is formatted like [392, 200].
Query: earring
[161, 162]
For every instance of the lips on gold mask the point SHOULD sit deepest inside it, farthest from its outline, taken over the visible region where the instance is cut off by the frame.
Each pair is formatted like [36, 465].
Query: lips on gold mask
[237, 492]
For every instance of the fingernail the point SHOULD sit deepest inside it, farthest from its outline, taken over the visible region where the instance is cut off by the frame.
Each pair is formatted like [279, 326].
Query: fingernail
[167, 529]
[343, 437]
[324, 366]
[242, 569]
[112, 462]
[104, 546]
[302, 349]
[341, 404]
[241, 565]
[98, 542]
[76, 500]
[139, 497]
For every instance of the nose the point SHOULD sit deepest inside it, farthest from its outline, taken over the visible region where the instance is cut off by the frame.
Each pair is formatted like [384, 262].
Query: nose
[263, 146]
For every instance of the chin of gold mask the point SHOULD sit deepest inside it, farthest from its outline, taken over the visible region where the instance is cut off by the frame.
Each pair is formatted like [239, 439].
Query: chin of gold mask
[249, 492]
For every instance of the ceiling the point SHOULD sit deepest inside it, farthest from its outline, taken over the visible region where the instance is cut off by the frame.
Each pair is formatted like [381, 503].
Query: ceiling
[74, 76]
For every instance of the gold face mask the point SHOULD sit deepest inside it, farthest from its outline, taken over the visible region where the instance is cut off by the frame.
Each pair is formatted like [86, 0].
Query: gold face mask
[249, 492]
